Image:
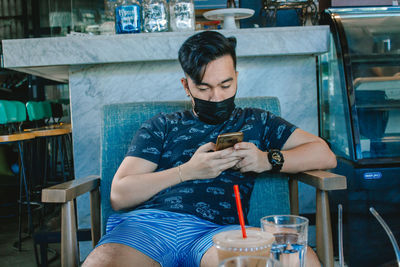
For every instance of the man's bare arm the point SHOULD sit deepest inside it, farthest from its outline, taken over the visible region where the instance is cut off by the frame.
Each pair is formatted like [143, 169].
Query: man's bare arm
[302, 151]
[135, 180]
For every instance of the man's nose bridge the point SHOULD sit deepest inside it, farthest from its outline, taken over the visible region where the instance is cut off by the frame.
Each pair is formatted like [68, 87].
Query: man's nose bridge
[218, 94]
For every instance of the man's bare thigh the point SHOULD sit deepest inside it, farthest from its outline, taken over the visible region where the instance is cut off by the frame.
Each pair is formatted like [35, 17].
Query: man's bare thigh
[113, 254]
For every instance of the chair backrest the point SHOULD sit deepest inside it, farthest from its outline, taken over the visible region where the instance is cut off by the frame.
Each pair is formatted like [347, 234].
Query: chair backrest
[121, 121]
[21, 111]
[47, 109]
[3, 112]
[35, 110]
[11, 111]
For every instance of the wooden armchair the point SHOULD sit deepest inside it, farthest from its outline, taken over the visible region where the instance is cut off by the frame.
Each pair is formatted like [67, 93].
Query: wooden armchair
[272, 194]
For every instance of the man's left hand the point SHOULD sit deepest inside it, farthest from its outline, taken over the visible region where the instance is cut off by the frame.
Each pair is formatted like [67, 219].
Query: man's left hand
[253, 159]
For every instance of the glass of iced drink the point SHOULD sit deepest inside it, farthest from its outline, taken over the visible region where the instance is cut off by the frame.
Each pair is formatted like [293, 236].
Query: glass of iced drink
[231, 243]
[248, 261]
[290, 234]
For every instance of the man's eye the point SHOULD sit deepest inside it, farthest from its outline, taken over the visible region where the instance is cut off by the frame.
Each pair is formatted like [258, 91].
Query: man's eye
[225, 86]
[202, 88]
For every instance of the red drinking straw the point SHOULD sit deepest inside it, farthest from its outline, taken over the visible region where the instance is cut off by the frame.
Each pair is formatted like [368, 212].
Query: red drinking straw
[239, 209]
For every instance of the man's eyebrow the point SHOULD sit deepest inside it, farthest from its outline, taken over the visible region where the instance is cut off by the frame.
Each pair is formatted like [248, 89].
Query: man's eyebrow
[224, 81]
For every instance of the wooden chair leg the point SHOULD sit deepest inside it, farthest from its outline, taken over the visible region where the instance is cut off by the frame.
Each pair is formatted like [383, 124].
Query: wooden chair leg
[294, 196]
[69, 242]
[324, 229]
[95, 215]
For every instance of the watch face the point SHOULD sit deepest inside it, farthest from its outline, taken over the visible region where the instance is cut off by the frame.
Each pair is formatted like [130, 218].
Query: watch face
[276, 157]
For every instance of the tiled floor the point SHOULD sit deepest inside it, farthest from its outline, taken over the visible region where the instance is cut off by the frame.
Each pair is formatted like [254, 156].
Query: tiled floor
[9, 255]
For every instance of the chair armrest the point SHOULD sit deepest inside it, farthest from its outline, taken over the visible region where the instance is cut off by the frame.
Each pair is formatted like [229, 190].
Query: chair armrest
[62, 193]
[322, 180]
[66, 193]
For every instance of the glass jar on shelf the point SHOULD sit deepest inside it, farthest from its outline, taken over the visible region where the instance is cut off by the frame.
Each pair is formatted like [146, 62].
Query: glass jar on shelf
[155, 15]
[182, 16]
[127, 16]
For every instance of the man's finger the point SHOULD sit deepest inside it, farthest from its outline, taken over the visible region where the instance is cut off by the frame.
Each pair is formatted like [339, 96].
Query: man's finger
[244, 169]
[241, 153]
[227, 165]
[227, 160]
[243, 163]
[206, 147]
[243, 145]
[223, 153]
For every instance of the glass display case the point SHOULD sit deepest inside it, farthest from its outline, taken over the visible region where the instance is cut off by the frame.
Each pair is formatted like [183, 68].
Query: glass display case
[359, 116]
[360, 83]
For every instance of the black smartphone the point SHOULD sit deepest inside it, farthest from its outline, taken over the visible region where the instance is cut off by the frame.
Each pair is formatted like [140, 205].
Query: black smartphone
[228, 139]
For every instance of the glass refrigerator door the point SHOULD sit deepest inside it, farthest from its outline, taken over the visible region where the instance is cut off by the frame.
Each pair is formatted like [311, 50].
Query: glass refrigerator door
[369, 40]
[334, 111]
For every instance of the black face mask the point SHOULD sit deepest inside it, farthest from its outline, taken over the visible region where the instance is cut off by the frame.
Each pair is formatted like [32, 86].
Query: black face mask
[214, 112]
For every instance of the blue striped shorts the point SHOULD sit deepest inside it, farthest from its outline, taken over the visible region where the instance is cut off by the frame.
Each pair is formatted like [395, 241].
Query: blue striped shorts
[172, 239]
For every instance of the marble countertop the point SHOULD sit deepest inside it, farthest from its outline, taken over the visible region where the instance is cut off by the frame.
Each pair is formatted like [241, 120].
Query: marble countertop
[52, 57]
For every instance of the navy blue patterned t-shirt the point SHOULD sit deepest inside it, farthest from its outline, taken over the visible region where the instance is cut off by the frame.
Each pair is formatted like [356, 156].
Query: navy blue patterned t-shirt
[171, 139]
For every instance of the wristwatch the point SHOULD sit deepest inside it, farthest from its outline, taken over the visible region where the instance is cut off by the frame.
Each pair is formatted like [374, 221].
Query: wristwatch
[275, 157]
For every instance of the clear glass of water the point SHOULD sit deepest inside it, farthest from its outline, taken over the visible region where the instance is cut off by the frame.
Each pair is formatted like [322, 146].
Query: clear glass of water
[291, 233]
[248, 261]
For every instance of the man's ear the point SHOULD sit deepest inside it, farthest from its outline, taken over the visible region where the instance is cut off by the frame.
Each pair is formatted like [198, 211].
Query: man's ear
[185, 86]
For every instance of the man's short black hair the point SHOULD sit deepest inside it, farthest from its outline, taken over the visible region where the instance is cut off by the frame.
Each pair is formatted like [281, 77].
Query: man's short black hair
[202, 48]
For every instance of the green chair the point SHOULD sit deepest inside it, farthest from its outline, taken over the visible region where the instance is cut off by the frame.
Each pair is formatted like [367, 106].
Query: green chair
[51, 150]
[47, 109]
[35, 111]
[275, 194]
[11, 109]
[9, 116]
[21, 113]
[56, 142]
[3, 112]
[13, 115]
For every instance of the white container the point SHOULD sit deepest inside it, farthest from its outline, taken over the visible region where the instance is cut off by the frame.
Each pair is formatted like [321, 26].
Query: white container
[182, 16]
[155, 15]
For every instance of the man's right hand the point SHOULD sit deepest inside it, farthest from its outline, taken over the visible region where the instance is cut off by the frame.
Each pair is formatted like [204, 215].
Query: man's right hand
[207, 163]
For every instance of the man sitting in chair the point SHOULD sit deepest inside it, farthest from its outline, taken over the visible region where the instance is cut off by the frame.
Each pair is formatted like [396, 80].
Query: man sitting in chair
[180, 187]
